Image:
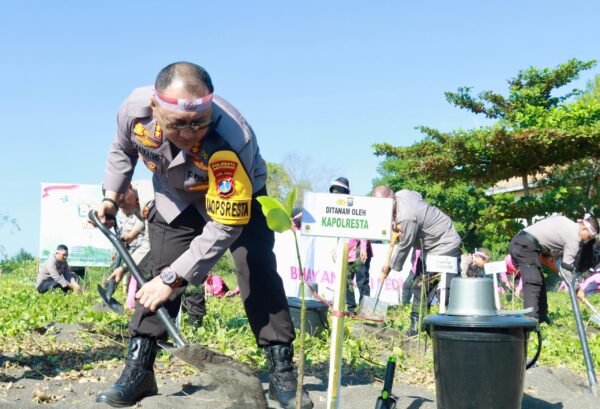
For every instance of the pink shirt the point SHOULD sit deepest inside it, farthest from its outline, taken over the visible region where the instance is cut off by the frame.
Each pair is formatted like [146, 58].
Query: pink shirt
[593, 281]
[215, 285]
[352, 253]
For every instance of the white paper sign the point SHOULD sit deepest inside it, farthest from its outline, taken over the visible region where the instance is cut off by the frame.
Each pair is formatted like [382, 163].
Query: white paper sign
[442, 264]
[349, 216]
[495, 267]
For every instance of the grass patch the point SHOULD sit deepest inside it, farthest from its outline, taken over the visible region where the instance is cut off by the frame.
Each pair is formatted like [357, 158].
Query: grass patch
[25, 331]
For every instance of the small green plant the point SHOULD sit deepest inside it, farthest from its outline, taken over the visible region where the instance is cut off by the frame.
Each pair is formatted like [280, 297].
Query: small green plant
[279, 219]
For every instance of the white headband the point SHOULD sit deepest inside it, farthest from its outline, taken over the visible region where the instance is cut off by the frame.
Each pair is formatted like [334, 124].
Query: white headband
[585, 221]
[184, 105]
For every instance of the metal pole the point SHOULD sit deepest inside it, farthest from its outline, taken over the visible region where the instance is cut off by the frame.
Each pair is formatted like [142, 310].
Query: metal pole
[591, 374]
[496, 295]
[443, 293]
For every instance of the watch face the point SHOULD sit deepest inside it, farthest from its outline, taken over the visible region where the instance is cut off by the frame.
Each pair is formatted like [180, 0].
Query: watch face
[168, 276]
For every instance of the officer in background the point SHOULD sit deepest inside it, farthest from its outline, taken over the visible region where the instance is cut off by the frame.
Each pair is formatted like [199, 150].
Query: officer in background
[55, 273]
[423, 227]
[557, 236]
[208, 172]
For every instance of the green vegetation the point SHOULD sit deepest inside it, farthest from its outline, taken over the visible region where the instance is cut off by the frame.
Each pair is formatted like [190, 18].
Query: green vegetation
[539, 131]
[25, 316]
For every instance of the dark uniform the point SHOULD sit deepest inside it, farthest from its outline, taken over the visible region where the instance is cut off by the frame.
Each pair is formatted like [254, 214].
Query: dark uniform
[205, 203]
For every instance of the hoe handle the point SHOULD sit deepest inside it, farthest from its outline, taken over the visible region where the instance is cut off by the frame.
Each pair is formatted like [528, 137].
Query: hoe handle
[162, 312]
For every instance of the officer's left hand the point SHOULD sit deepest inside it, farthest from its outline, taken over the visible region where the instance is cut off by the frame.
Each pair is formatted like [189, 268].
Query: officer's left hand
[154, 293]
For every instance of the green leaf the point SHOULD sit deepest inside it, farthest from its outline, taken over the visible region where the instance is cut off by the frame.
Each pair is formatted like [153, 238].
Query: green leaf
[290, 200]
[269, 203]
[278, 220]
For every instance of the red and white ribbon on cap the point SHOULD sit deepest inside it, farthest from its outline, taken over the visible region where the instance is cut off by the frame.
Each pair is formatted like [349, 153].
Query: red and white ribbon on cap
[183, 104]
[340, 184]
[588, 225]
[481, 254]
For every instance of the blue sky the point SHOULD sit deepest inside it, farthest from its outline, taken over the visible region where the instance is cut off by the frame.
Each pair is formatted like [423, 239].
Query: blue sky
[320, 80]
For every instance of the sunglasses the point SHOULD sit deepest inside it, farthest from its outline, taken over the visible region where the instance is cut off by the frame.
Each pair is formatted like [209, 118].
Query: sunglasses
[181, 125]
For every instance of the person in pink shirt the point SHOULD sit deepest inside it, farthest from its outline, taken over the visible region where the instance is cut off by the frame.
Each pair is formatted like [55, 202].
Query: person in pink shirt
[589, 286]
[511, 269]
[215, 286]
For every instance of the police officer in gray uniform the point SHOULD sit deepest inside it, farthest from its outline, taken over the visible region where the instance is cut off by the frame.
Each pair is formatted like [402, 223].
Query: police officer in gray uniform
[419, 223]
[557, 236]
[208, 172]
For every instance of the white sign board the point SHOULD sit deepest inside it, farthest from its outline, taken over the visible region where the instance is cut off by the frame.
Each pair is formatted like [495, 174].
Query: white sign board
[64, 215]
[353, 217]
[442, 264]
[495, 267]
[320, 268]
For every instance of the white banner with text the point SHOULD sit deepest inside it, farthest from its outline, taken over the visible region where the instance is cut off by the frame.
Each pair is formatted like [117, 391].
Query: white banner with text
[318, 262]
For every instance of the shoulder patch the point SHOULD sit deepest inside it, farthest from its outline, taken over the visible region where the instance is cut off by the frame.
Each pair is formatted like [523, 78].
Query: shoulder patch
[147, 139]
[229, 195]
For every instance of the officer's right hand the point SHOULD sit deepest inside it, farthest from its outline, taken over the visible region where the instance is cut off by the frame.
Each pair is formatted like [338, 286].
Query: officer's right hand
[107, 213]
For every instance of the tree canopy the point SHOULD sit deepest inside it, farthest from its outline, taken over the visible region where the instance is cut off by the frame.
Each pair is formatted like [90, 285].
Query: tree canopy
[539, 130]
[534, 130]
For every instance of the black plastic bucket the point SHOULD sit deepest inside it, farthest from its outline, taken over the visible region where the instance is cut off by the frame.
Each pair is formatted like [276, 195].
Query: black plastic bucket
[479, 362]
[316, 314]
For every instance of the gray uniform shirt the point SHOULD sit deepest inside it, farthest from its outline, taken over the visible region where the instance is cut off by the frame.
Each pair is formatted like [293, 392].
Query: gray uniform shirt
[421, 221]
[558, 236]
[182, 178]
[57, 270]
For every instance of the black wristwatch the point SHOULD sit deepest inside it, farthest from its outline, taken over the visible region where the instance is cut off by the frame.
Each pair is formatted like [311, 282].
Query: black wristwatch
[170, 277]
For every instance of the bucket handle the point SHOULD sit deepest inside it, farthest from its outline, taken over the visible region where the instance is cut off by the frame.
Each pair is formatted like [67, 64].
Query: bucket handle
[539, 349]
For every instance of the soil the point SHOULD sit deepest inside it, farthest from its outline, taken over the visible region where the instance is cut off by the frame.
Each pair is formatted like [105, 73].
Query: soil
[71, 378]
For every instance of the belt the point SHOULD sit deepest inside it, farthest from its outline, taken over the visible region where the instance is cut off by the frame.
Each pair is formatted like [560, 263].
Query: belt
[531, 237]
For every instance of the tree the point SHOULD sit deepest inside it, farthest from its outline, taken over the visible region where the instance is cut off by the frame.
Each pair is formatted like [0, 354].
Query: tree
[534, 130]
[480, 219]
[278, 181]
[299, 172]
[572, 189]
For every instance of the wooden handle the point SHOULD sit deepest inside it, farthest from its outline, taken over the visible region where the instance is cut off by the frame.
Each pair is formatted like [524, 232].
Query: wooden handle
[395, 237]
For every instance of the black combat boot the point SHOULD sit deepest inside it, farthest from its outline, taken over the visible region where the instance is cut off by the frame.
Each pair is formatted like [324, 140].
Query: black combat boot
[137, 380]
[282, 379]
[414, 325]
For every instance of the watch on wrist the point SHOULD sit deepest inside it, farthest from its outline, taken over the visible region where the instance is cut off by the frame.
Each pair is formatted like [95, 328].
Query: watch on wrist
[170, 277]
